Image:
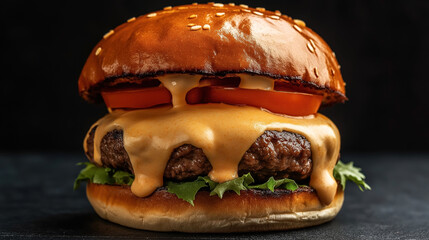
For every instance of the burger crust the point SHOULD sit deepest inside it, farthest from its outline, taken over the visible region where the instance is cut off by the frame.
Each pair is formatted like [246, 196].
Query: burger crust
[252, 210]
[163, 42]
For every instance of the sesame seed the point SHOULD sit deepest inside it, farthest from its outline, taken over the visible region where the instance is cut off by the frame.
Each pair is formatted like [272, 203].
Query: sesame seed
[151, 15]
[236, 10]
[297, 28]
[275, 17]
[245, 10]
[218, 5]
[231, 4]
[98, 51]
[168, 8]
[332, 72]
[315, 72]
[299, 22]
[261, 9]
[278, 13]
[339, 66]
[244, 6]
[258, 13]
[333, 54]
[310, 47]
[108, 34]
[220, 14]
[192, 16]
[181, 8]
[195, 28]
[312, 43]
[194, 3]
[191, 24]
[131, 19]
[206, 27]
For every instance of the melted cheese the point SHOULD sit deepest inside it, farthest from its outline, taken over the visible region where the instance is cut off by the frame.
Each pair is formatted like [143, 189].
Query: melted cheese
[256, 82]
[179, 85]
[224, 132]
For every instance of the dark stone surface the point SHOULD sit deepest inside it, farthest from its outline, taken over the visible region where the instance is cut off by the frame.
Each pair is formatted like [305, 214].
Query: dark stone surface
[37, 201]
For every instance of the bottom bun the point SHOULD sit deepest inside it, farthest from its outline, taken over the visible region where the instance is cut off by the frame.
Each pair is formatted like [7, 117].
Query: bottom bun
[253, 210]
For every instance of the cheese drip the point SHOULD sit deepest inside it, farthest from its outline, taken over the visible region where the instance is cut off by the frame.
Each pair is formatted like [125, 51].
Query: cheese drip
[179, 85]
[224, 132]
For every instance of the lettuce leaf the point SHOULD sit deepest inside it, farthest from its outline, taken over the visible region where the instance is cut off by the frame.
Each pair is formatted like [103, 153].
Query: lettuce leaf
[288, 184]
[236, 185]
[183, 190]
[346, 171]
[186, 190]
[102, 175]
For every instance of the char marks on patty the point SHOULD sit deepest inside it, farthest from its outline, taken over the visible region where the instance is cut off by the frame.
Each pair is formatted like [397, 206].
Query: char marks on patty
[278, 154]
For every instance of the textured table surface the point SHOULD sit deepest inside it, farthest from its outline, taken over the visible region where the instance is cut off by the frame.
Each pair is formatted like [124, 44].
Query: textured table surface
[37, 201]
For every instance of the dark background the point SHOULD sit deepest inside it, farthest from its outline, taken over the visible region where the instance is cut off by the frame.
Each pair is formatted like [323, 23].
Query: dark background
[382, 46]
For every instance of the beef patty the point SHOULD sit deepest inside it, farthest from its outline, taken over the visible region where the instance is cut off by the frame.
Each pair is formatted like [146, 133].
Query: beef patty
[278, 154]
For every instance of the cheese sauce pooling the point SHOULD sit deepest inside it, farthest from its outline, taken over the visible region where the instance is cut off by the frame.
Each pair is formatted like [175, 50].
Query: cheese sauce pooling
[223, 132]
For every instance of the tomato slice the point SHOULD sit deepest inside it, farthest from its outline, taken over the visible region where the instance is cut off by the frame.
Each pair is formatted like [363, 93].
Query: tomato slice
[137, 98]
[290, 103]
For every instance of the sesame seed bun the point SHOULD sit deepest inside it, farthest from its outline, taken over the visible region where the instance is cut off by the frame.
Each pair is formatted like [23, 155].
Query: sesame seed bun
[253, 210]
[214, 39]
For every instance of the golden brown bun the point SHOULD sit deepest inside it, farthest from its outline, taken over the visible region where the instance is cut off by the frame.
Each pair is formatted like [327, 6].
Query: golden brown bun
[250, 211]
[239, 40]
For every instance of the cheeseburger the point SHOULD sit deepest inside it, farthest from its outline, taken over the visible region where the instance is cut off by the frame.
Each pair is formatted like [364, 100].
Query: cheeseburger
[213, 123]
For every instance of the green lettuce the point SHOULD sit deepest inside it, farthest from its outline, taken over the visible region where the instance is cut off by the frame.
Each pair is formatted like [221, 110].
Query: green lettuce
[183, 190]
[346, 171]
[102, 175]
[188, 190]
[236, 185]
[272, 183]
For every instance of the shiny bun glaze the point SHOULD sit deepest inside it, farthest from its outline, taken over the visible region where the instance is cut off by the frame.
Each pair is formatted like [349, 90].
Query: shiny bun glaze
[214, 39]
[253, 210]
